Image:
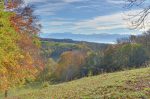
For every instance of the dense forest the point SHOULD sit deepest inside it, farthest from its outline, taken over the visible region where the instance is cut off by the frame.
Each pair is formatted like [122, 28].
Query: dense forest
[26, 58]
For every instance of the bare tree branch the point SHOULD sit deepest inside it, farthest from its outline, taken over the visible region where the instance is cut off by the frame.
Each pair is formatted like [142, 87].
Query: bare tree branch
[141, 19]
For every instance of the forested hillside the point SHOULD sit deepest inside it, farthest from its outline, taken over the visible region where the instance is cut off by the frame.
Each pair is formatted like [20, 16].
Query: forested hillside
[68, 60]
[53, 48]
[32, 67]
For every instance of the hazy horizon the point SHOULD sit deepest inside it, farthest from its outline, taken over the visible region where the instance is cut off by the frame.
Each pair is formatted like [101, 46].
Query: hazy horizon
[97, 38]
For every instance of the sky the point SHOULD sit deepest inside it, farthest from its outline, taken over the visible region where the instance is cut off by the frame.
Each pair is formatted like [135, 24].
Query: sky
[83, 16]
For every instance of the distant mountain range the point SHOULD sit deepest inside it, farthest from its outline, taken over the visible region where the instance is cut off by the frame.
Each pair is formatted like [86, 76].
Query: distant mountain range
[98, 38]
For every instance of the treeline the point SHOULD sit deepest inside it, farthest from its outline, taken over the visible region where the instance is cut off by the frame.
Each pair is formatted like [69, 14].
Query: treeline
[77, 62]
[53, 48]
[19, 45]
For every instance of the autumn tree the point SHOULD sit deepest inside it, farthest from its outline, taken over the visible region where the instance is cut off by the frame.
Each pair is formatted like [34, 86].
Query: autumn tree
[47, 73]
[69, 65]
[19, 57]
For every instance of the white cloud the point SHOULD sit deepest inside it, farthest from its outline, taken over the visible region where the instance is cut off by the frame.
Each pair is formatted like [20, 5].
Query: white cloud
[94, 25]
[107, 22]
[113, 21]
[54, 1]
[71, 1]
[49, 7]
[35, 1]
[57, 23]
[116, 1]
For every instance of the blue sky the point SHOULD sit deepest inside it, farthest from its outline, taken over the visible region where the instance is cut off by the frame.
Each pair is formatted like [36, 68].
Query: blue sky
[83, 16]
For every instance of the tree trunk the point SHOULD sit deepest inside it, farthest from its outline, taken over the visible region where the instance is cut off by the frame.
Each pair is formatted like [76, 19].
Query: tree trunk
[6, 93]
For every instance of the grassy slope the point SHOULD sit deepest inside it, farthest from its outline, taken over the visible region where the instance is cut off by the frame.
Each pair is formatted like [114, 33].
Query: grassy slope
[130, 84]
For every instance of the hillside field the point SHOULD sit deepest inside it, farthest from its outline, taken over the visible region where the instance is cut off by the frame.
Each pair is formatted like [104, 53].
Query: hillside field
[130, 84]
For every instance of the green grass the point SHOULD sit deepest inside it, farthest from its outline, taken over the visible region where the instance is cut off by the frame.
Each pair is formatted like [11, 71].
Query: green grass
[130, 84]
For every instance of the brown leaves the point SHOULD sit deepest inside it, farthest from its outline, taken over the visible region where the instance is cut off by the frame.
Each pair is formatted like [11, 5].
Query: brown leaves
[20, 58]
[69, 64]
[13, 4]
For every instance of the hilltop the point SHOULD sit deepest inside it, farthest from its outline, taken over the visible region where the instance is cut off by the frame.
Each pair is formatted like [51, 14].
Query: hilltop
[98, 38]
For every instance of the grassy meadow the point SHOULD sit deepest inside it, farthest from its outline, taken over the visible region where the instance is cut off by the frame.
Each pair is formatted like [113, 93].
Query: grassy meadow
[130, 84]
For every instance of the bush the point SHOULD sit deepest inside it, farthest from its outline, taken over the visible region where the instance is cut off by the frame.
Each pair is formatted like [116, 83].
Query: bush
[45, 84]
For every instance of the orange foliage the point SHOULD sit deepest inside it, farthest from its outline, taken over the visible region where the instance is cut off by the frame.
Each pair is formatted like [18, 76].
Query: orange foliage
[70, 64]
[24, 62]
